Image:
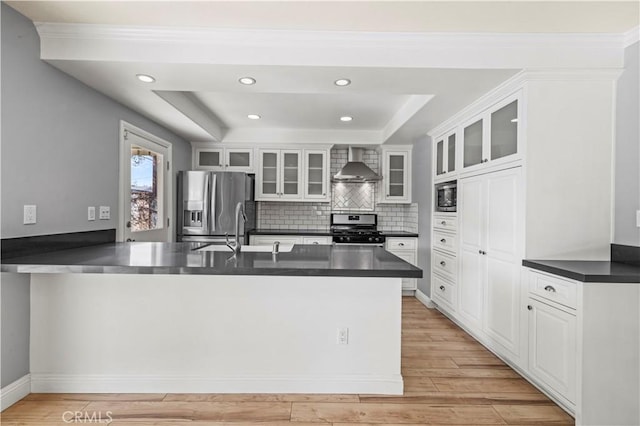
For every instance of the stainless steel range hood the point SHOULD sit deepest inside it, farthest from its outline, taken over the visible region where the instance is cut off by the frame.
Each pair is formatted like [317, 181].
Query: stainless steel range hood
[355, 170]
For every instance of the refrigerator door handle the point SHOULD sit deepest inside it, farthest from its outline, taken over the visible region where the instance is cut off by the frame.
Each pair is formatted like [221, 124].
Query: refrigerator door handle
[211, 195]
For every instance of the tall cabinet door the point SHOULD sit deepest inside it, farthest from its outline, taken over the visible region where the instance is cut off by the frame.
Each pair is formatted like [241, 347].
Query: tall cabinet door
[471, 229]
[291, 174]
[502, 253]
[268, 182]
[316, 169]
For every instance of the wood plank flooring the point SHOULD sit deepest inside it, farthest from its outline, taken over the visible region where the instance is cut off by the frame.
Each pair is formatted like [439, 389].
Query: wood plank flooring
[449, 379]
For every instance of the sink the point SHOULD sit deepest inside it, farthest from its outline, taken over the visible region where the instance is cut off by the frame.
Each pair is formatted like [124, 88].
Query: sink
[284, 248]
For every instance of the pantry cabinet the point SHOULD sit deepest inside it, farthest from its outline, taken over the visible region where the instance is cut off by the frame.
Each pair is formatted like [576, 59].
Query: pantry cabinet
[490, 222]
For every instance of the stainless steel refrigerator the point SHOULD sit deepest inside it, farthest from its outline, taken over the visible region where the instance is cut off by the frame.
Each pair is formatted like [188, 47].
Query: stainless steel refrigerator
[207, 204]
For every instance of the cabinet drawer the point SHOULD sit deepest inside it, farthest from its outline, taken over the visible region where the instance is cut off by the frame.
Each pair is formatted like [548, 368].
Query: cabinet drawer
[443, 292]
[445, 241]
[553, 288]
[407, 256]
[445, 264]
[316, 240]
[401, 244]
[447, 223]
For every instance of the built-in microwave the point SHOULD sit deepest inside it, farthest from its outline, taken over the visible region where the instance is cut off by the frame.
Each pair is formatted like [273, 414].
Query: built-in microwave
[446, 196]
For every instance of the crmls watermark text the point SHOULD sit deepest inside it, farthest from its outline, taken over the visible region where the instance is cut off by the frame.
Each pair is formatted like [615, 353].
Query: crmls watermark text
[87, 417]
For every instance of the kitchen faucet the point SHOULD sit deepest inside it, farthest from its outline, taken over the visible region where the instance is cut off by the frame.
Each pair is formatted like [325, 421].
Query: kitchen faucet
[239, 213]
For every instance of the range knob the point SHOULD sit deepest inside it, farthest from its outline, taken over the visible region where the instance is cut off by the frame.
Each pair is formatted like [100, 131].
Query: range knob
[371, 239]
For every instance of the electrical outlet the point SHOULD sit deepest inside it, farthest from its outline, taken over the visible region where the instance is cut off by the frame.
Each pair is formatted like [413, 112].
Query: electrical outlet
[343, 336]
[29, 214]
[105, 212]
[91, 213]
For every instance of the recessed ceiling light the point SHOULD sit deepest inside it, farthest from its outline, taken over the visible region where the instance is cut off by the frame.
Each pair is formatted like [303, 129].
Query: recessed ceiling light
[253, 117]
[247, 80]
[346, 118]
[146, 78]
[342, 82]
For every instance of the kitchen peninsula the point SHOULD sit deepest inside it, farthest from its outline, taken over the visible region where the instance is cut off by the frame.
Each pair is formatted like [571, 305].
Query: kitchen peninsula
[163, 317]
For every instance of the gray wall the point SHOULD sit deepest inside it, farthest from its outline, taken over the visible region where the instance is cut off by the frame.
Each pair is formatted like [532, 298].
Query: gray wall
[422, 185]
[627, 162]
[60, 152]
[59, 140]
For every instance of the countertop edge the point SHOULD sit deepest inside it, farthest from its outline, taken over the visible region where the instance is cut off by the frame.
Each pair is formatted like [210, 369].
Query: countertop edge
[556, 270]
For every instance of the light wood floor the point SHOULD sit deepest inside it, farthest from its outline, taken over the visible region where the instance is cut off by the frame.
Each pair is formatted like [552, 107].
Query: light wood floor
[449, 379]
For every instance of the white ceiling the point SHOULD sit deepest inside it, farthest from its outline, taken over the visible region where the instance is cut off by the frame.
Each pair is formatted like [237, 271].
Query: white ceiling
[404, 81]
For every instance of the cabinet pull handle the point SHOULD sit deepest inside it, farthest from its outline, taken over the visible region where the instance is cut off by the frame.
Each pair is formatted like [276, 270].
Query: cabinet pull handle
[315, 242]
[550, 289]
[444, 222]
[443, 263]
[485, 161]
[442, 240]
[401, 244]
[529, 307]
[482, 252]
[442, 287]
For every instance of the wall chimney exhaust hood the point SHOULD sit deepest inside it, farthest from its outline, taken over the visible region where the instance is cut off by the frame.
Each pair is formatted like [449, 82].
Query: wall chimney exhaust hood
[355, 170]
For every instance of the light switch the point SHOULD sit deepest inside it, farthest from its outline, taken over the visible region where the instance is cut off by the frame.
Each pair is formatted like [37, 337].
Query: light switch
[91, 213]
[105, 212]
[29, 214]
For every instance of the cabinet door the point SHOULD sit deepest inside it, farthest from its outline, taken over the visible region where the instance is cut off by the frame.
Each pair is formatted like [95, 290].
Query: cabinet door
[472, 143]
[239, 159]
[451, 153]
[396, 169]
[316, 175]
[502, 252]
[472, 263]
[291, 174]
[552, 348]
[408, 256]
[440, 157]
[504, 131]
[209, 159]
[268, 180]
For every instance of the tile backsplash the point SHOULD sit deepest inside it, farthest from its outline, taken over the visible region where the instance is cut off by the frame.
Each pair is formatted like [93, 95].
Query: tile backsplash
[346, 198]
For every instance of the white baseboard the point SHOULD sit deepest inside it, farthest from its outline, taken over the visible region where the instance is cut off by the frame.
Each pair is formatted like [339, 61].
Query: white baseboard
[426, 301]
[15, 391]
[50, 383]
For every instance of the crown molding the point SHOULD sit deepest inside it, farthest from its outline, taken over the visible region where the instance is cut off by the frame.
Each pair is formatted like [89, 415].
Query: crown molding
[631, 37]
[327, 48]
[516, 83]
[53, 30]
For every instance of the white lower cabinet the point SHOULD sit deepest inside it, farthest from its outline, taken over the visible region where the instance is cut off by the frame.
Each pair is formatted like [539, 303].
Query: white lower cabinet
[552, 348]
[407, 250]
[290, 239]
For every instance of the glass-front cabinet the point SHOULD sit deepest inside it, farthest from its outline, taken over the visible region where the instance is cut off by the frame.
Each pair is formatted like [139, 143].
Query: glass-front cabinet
[492, 136]
[221, 158]
[445, 155]
[280, 174]
[316, 168]
[396, 175]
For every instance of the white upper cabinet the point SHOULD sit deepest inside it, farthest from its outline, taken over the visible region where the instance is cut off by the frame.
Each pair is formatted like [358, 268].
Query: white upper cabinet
[396, 175]
[222, 158]
[446, 156]
[316, 169]
[280, 174]
[493, 136]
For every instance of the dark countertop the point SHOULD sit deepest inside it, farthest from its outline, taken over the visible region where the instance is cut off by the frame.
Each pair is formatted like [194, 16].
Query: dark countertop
[588, 270]
[325, 232]
[180, 258]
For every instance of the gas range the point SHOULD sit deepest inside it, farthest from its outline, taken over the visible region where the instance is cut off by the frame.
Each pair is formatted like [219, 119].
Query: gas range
[356, 229]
